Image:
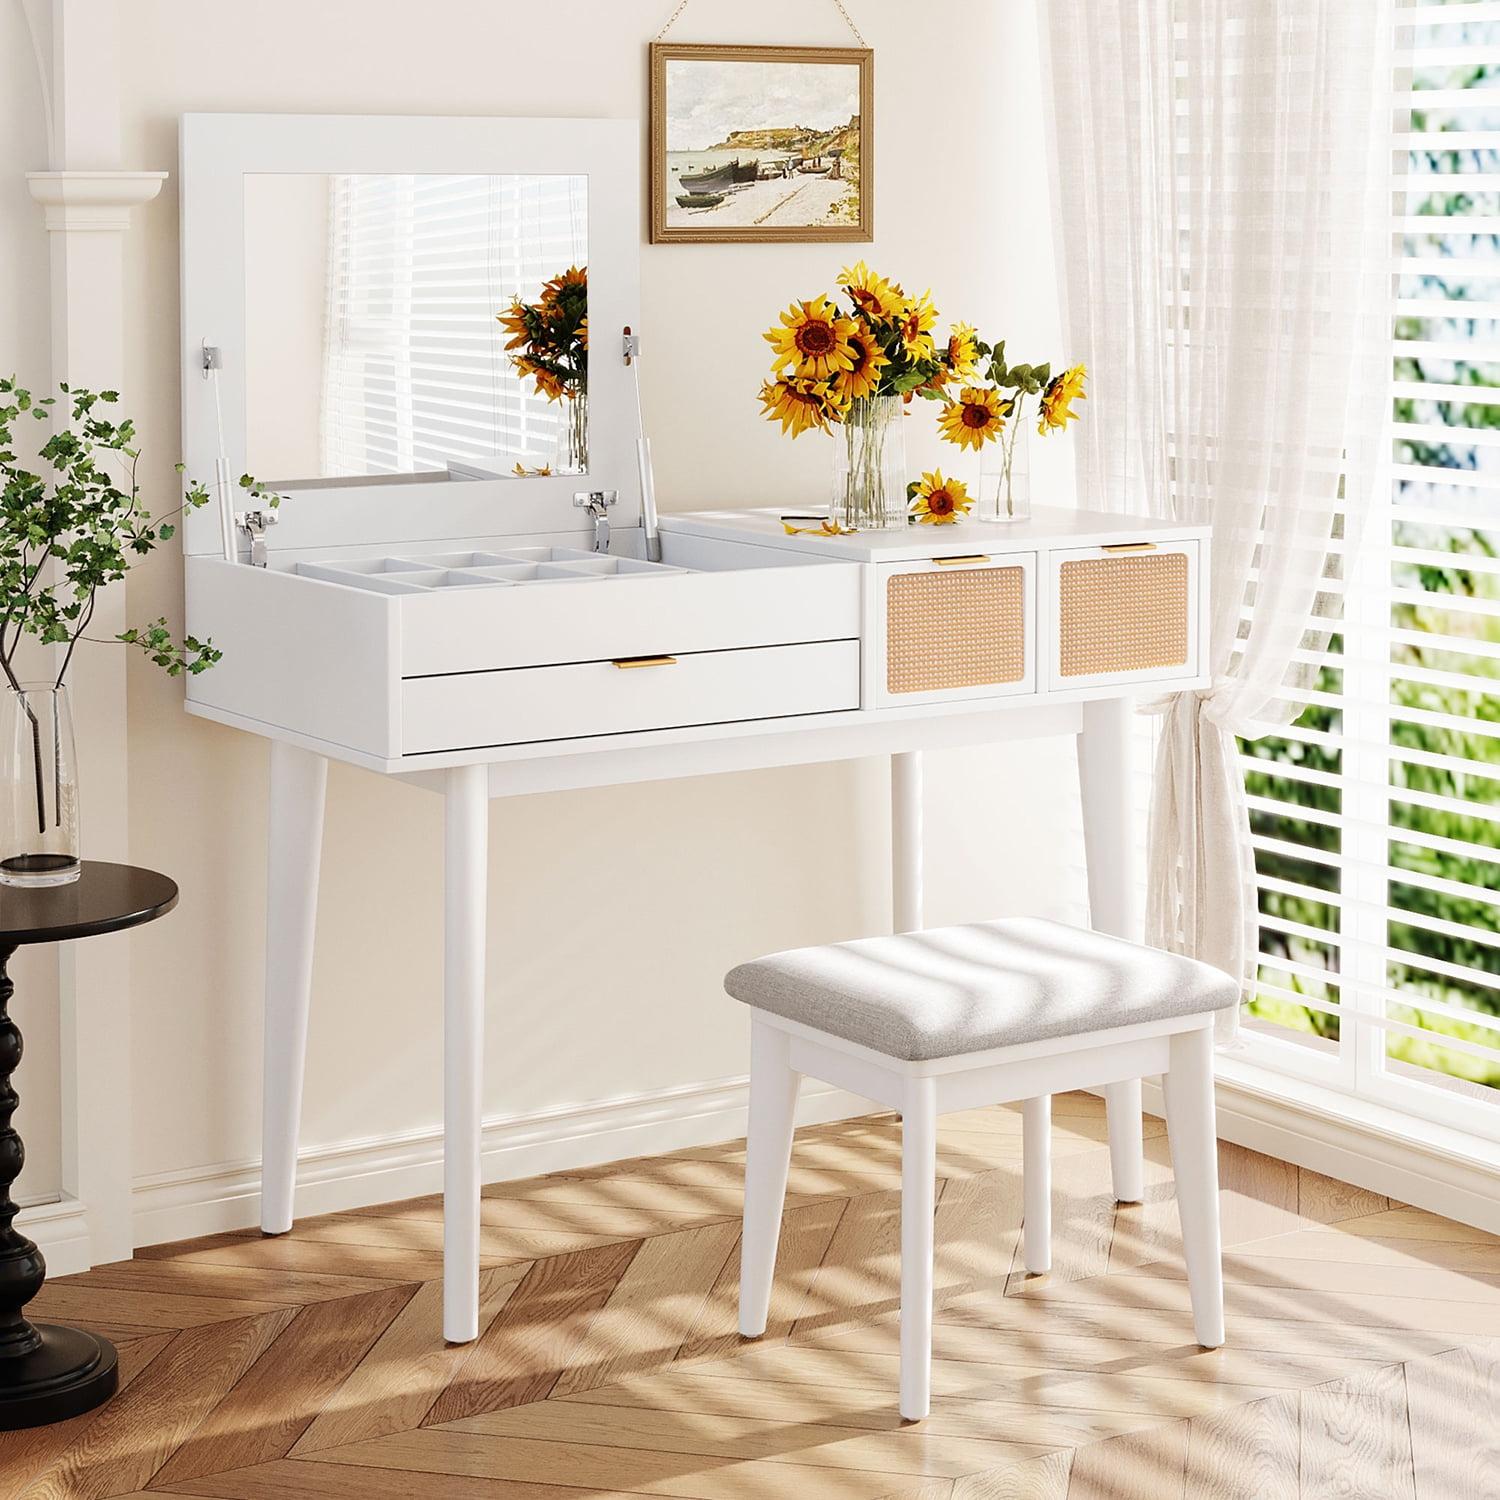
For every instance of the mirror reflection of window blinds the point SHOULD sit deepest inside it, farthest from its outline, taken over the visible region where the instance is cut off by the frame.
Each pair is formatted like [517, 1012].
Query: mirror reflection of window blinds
[415, 368]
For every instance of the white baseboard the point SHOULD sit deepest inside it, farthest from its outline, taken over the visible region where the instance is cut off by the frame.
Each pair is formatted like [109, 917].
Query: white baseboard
[357, 1174]
[1371, 1146]
[61, 1232]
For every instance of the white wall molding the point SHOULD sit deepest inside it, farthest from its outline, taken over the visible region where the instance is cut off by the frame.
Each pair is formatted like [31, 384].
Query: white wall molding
[61, 1232]
[92, 201]
[359, 1173]
[1371, 1146]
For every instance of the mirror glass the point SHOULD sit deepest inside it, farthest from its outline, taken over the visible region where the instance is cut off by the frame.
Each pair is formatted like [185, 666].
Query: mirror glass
[419, 327]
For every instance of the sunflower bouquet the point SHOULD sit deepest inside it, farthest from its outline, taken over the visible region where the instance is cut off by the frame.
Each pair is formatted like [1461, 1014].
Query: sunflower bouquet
[994, 412]
[852, 362]
[549, 344]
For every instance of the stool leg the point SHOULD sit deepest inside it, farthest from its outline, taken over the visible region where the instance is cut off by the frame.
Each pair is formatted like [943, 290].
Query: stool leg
[1189, 1089]
[1036, 1225]
[1122, 1103]
[918, 1201]
[768, 1158]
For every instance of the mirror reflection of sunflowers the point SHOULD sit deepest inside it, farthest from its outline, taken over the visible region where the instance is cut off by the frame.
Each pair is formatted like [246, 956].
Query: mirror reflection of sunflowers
[852, 367]
[549, 344]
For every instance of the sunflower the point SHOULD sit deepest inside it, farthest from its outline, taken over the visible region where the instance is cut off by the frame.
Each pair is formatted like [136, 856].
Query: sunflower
[938, 500]
[813, 341]
[870, 293]
[1058, 398]
[548, 382]
[513, 321]
[862, 378]
[574, 276]
[975, 418]
[799, 404]
[962, 354]
[914, 322]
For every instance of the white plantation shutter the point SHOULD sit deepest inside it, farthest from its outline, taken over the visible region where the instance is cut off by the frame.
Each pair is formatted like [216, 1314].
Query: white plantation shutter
[415, 371]
[1376, 816]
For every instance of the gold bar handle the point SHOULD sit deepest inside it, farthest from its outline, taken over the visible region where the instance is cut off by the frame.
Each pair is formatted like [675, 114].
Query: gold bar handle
[625, 663]
[956, 562]
[1128, 547]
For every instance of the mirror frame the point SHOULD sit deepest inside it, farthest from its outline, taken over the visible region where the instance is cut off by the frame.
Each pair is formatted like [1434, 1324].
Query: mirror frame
[219, 150]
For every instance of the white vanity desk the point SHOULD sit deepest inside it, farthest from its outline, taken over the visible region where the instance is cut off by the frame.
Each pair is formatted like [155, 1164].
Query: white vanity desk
[469, 639]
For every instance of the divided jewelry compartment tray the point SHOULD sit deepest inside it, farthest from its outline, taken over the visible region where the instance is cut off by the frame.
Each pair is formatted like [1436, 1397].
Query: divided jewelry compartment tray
[389, 573]
[397, 656]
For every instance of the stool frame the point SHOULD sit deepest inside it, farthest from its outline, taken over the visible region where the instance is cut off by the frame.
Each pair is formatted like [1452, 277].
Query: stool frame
[782, 1051]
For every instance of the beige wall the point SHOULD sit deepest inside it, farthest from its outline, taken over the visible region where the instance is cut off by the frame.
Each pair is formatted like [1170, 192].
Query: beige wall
[613, 913]
[286, 312]
[25, 351]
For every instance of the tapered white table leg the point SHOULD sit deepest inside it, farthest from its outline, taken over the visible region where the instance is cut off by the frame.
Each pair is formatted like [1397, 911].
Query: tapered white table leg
[906, 841]
[1104, 772]
[465, 870]
[299, 781]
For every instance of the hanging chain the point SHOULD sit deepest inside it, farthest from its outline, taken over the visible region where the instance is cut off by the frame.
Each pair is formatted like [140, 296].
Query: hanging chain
[672, 20]
[838, 4]
[849, 22]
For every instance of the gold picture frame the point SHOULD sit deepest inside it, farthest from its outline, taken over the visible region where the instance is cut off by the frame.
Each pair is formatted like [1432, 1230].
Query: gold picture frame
[816, 147]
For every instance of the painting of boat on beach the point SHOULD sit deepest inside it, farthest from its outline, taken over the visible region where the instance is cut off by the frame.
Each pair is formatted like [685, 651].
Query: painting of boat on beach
[751, 143]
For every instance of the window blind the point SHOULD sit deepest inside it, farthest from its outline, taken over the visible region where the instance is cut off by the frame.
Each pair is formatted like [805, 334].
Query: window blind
[1376, 816]
[416, 374]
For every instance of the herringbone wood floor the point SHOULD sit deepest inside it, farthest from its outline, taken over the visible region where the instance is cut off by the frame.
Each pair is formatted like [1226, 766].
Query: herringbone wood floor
[1363, 1358]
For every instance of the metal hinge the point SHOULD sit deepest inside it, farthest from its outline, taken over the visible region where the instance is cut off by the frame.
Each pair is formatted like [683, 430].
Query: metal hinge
[255, 524]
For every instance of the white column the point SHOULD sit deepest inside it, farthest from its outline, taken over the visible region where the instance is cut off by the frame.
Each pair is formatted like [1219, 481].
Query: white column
[88, 203]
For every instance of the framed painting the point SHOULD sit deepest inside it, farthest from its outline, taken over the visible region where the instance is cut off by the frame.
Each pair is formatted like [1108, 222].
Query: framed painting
[761, 143]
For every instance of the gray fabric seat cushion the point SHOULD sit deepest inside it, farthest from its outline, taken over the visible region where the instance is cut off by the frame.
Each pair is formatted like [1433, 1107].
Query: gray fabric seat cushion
[954, 990]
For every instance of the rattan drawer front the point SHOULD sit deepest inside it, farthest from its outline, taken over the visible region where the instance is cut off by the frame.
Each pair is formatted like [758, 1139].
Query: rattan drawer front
[948, 630]
[1124, 614]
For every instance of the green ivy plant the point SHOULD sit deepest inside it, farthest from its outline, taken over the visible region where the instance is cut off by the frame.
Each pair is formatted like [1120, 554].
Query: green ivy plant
[76, 528]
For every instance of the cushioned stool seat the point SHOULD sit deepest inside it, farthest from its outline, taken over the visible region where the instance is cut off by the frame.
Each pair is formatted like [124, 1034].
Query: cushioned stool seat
[955, 990]
[961, 1017]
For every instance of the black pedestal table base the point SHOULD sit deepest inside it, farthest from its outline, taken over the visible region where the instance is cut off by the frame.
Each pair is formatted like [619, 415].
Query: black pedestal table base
[49, 1373]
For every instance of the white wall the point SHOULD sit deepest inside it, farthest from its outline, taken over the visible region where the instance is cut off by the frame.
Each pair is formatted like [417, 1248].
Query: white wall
[613, 913]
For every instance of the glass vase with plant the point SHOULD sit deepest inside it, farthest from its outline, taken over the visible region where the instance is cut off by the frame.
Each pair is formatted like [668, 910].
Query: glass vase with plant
[66, 532]
[549, 344]
[991, 409]
[855, 368]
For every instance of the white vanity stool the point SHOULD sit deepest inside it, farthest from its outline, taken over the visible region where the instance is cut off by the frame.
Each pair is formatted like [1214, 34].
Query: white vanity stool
[962, 1017]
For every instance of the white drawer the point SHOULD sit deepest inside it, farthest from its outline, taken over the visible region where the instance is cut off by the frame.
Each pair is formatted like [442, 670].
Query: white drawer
[1127, 612]
[952, 628]
[483, 629]
[462, 711]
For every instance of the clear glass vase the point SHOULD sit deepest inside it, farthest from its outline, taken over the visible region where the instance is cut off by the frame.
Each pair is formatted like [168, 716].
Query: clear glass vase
[574, 458]
[869, 466]
[1005, 474]
[39, 822]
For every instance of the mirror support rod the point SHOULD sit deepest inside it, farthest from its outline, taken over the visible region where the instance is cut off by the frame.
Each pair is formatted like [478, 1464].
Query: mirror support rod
[213, 362]
[643, 452]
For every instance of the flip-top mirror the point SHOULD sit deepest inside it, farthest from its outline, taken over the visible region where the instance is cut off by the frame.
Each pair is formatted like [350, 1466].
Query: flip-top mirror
[416, 324]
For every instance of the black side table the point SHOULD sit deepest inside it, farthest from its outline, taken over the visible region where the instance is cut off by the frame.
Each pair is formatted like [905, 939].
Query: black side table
[46, 1372]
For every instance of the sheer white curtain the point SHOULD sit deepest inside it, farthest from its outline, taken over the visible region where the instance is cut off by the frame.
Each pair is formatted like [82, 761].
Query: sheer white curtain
[1223, 173]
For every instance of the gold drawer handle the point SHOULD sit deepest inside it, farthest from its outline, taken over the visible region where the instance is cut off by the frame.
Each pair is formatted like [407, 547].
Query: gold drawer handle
[624, 663]
[1128, 547]
[955, 562]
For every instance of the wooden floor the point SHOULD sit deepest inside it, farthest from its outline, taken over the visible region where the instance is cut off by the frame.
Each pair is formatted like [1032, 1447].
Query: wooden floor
[1362, 1362]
